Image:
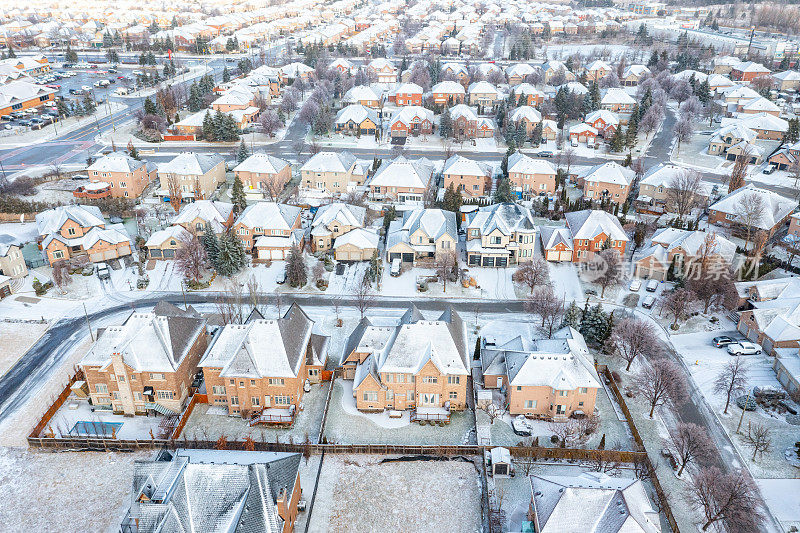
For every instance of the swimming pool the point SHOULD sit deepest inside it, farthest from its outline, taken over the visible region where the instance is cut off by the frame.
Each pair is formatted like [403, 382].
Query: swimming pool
[95, 429]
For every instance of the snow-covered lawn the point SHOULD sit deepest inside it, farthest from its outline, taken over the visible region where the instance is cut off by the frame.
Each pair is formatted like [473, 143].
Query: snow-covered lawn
[705, 362]
[73, 491]
[209, 422]
[348, 425]
[783, 499]
[78, 410]
[565, 282]
[17, 233]
[358, 493]
[17, 337]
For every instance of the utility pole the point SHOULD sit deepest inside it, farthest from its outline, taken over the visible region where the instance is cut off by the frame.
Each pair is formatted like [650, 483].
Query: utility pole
[87, 322]
[750, 44]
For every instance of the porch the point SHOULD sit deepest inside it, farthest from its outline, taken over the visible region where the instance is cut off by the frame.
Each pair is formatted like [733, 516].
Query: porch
[274, 416]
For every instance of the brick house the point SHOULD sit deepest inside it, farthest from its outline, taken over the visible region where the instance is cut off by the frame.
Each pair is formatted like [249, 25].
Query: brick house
[382, 70]
[551, 379]
[468, 125]
[656, 185]
[448, 93]
[407, 94]
[261, 367]
[605, 122]
[500, 235]
[69, 231]
[332, 172]
[421, 234]
[727, 211]
[526, 94]
[196, 175]
[356, 119]
[748, 71]
[609, 181]
[617, 100]
[264, 172]
[598, 70]
[411, 120]
[587, 232]
[416, 364]
[401, 179]
[363, 95]
[472, 178]
[517, 73]
[12, 262]
[147, 363]
[165, 243]
[126, 176]
[484, 95]
[529, 176]
[526, 117]
[194, 217]
[582, 133]
[633, 74]
[683, 250]
[268, 230]
[333, 220]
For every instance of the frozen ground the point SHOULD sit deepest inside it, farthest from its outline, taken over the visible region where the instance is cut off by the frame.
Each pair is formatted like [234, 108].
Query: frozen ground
[566, 283]
[16, 338]
[783, 498]
[72, 491]
[18, 232]
[704, 362]
[360, 494]
[347, 425]
[209, 422]
[78, 410]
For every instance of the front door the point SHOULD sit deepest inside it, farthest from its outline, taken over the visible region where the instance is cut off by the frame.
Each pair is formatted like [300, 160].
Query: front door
[430, 400]
[500, 382]
[267, 402]
[561, 409]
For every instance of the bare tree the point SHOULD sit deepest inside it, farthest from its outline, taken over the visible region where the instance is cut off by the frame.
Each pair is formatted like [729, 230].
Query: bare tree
[568, 157]
[751, 209]
[447, 267]
[758, 437]
[566, 431]
[683, 130]
[253, 293]
[431, 190]
[739, 170]
[61, 275]
[660, 382]
[271, 187]
[190, 258]
[493, 411]
[533, 273]
[730, 498]
[362, 296]
[631, 338]
[270, 122]
[606, 269]
[548, 306]
[683, 192]
[174, 191]
[231, 305]
[651, 120]
[691, 444]
[677, 303]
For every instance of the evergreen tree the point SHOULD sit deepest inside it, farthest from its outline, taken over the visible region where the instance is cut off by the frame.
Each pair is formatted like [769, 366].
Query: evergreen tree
[62, 108]
[243, 152]
[511, 132]
[226, 75]
[594, 93]
[618, 141]
[89, 105]
[231, 257]
[446, 124]
[296, 270]
[537, 134]
[452, 201]
[793, 132]
[503, 192]
[520, 135]
[653, 61]
[195, 100]
[572, 317]
[132, 151]
[211, 244]
[237, 196]
[209, 132]
[70, 55]
[150, 107]
[594, 325]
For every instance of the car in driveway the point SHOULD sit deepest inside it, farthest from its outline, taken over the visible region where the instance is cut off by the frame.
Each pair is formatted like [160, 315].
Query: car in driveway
[340, 269]
[649, 301]
[545, 153]
[744, 348]
[652, 285]
[722, 341]
[635, 285]
[280, 278]
[102, 271]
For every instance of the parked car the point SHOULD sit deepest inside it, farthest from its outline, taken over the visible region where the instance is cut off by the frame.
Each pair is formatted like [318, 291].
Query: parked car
[649, 301]
[280, 279]
[545, 153]
[102, 271]
[769, 169]
[652, 285]
[744, 348]
[340, 269]
[635, 285]
[395, 271]
[722, 340]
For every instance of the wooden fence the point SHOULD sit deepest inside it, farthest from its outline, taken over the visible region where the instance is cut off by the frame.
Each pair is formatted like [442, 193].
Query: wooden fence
[53, 409]
[196, 398]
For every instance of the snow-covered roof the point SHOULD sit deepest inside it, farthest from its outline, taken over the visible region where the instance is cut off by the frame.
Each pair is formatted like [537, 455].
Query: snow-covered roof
[434, 223]
[216, 213]
[693, 242]
[409, 88]
[508, 218]
[409, 114]
[602, 114]
[356, 113]
[775, 206]
[526, 112]
[360, 93]
[617, 95]
[483, 87]
[361, 238]
[262, 348]
[341, 161]
[116, 162]
[552, 236]
[635, 70]
[345, 214]
[448, 87]
[269, 216]
[610, 172]
[52, 220]
[147, 342]
[191, 164]
[461, 166]
[262, 163]
[402, 172]
[588, 224]
[170, 232]
[519, 162]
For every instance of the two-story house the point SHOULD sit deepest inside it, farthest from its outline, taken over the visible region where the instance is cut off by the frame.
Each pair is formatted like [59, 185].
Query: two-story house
[12, 262]
[268, 230]
[332, 172]
[550, 379]
[68, 231]
[265, 173]
[147, 363]
[356, 119]
[411, 120]
[526, 94]
[407, 94]
[500, 235]
[609, 182]
[730, 210]
[362, 95]
[662, 184]
[127, 177]
[526, 117]
[421, 234]
[196, 176]
[417, 364]
[530, 177]
[332, 221]
[472, 178]
[587, 232]
[617, 100]
[194, 217]
[484, 95]
[684, 250]
[448, 92]
[401, 179]
[468, 125]
[260, 368]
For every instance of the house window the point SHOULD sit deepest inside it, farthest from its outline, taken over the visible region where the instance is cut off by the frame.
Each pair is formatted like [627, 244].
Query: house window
[138, 396]
[495, 240]
[121, 379]
[389, 395]
[453, 380]
[389, 378]
[102, 388]
[430, 379]
[115, 395]
[234, 400]
[58, 254]
[584, 390]
[276, 381]
[253, 382]
[254, 401]
[70, 231]
[530, 404]
[563, 393]
[165, 395]
[282, 400]
[157, 376]
[580, 404]
[233, 382]
[133, 377]
[453, 395]
[219, 390]
[370, 396]
[410, 395]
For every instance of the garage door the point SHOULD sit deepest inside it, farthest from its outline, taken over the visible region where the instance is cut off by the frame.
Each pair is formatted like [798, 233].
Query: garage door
[566, 256]
[488, 261]
[276, 254]
[110, 254]
[408, 258]
[742, 327]
[501, 262]
[96, 258]
[474, 260]
[394, 256]
[263, 254]
[753, 335]
[169, 254]
[767, 345]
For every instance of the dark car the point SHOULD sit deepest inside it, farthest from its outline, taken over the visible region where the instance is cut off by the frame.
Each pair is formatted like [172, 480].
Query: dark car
[339, 269]
[545, 153]
[722, 340]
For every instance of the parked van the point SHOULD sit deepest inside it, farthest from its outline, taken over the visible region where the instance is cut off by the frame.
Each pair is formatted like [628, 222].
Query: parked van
[395, 270]
[652, 285]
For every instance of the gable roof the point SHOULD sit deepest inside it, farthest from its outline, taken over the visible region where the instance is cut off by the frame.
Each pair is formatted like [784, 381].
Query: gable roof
[508, 218]
[403, 172]
[52, 220]
[261, 163]
[212, 211]
[346, 214]
[776, 207]
[341, 161]
[588, 224]
[190, 163]
[524, 164]
[117, 162]
[269, 215]
[610, 172]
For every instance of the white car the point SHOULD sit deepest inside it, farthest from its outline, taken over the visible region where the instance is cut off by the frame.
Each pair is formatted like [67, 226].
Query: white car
[652, 285]
[635, 285]
[648, 301]
[744, 348]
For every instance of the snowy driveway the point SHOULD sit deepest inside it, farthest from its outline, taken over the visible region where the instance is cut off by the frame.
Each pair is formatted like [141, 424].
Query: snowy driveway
[565, 282]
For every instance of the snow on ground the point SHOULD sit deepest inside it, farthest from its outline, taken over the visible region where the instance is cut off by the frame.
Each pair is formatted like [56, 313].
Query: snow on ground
[77, 410]
[73, 491]
[209, 422]
[704, 362]
[346, 425]
[494, 283]
[16, 338]
[783, 499]
[565, 282]
[18, 233]
[358, 493]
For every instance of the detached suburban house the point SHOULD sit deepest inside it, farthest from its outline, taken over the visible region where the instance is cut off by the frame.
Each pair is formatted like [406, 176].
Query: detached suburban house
[447, 93]
[197, 176]
[421, 234]
[617, 100]
[609, 181]
[500, 235]
[164, 244]
[359, 244]
[472, 178]
[269, 230]
[530, 177]
[264, 173]
[332, 221]
[417, 364]
[259, 369]
[194, 217]
[12, 262]
[683, 250]
[587, 232]
[655, 188]
[356, 119]
[774, 210]
[332, 172]
[401, 179]
[552, 379]
[69, 231]
[125, 176]
[147, 363]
